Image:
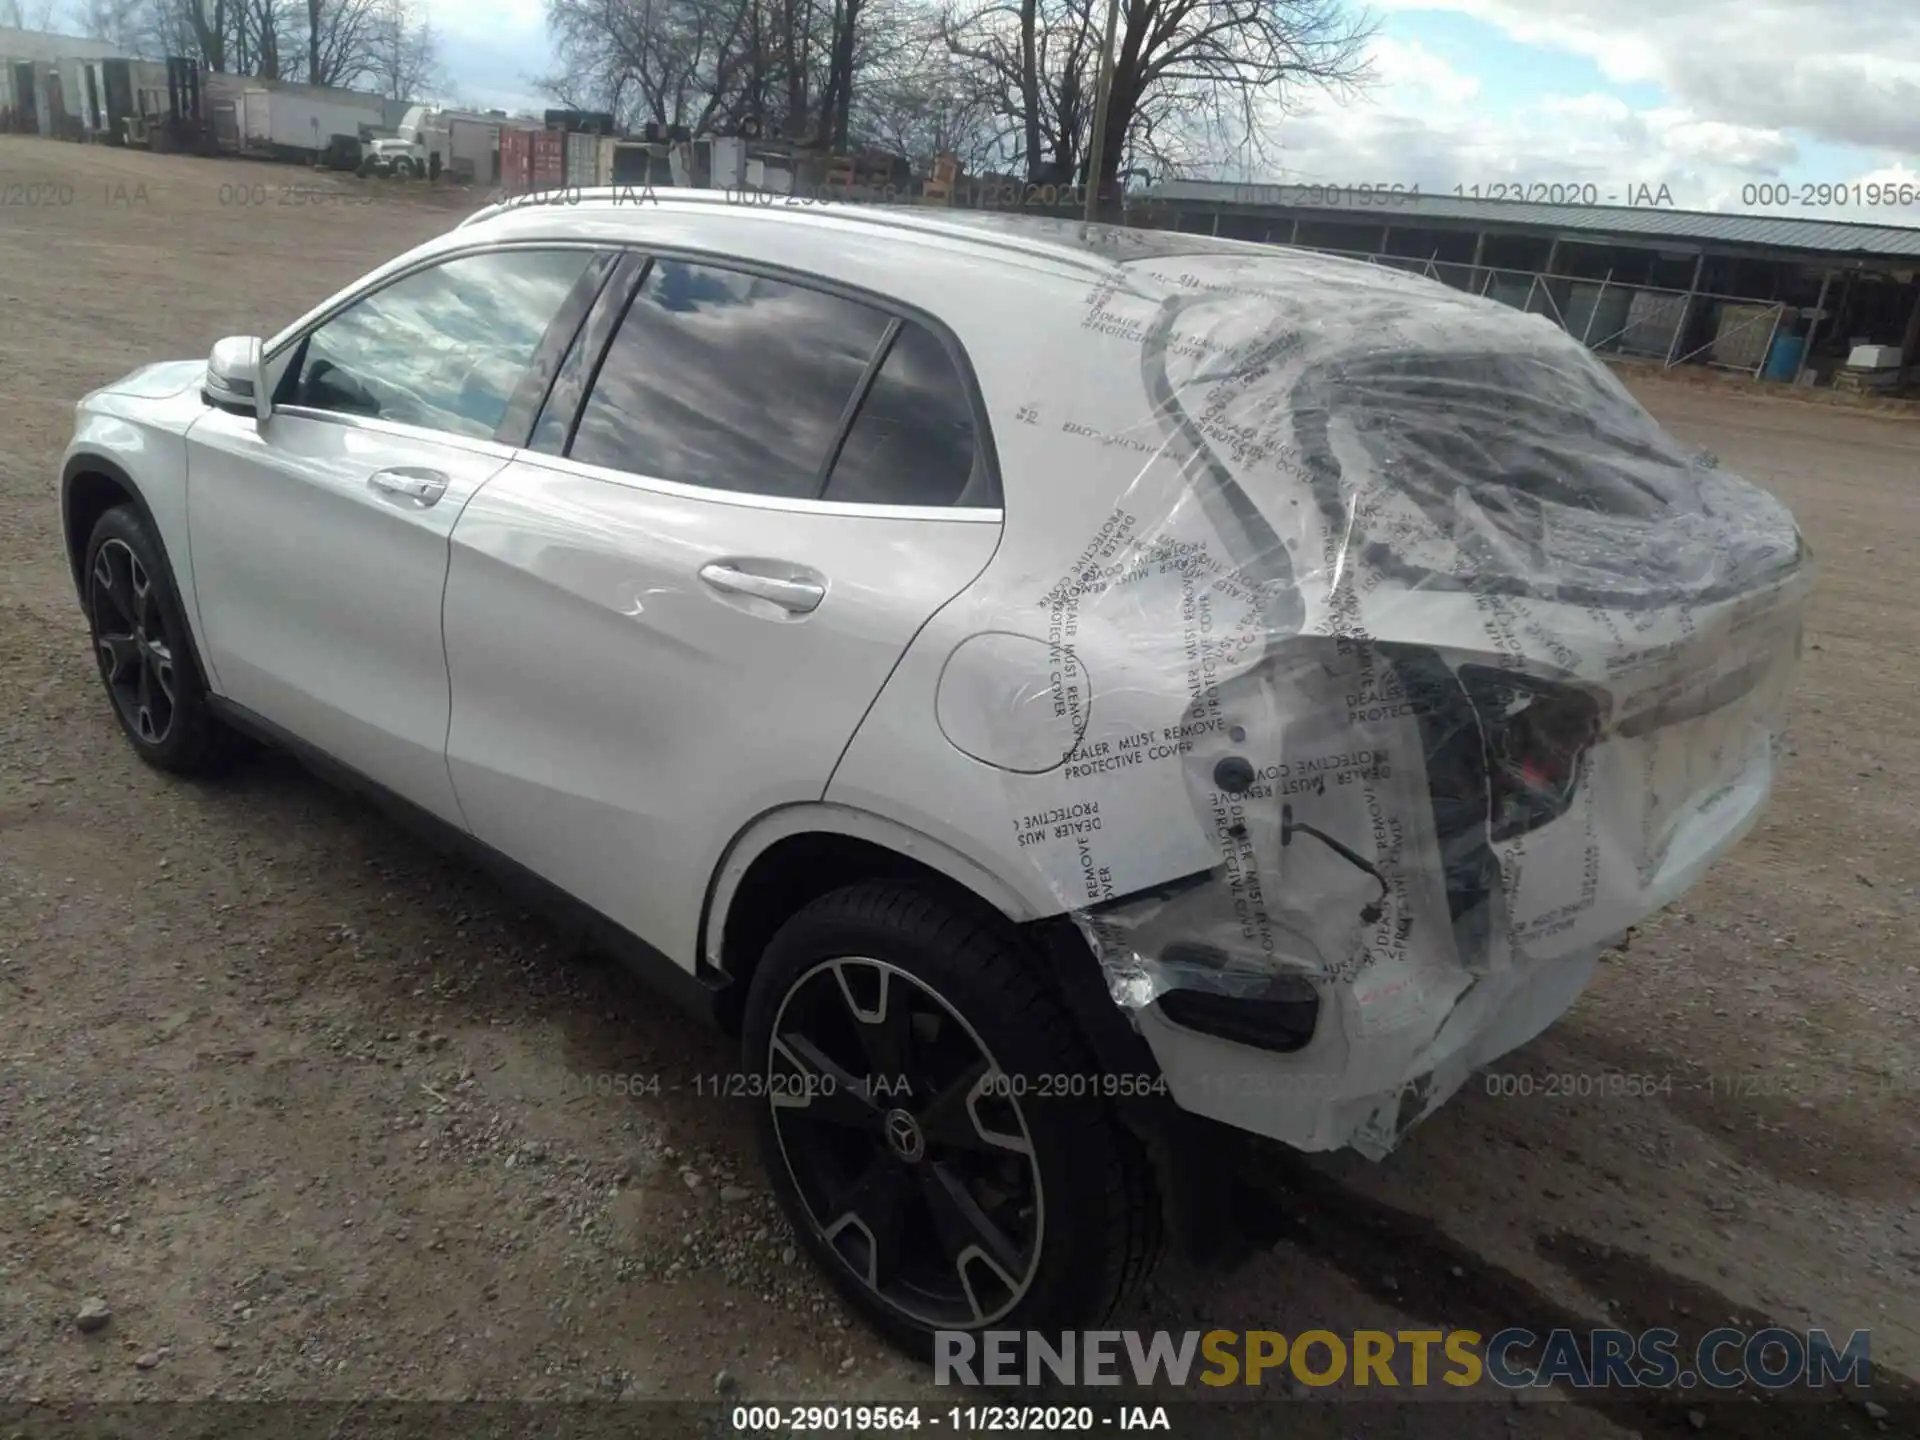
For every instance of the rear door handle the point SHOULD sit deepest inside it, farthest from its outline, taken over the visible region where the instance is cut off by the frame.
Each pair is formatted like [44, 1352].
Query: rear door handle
[798, 596]
[410, 481]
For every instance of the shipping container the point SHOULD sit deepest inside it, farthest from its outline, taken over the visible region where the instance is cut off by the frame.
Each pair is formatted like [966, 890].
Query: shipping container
[516, 159]
[473, 151]
[549, 159]
[630, 162]
[583, 159]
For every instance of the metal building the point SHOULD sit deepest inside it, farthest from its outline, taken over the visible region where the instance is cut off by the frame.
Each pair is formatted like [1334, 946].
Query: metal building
[1783, 298]
[51, 85]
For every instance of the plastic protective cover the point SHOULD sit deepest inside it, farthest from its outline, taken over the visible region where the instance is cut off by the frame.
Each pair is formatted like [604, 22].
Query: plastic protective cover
[1415, 656]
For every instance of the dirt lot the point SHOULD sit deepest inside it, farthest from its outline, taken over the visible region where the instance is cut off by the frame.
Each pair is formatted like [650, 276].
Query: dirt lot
[292, 1097]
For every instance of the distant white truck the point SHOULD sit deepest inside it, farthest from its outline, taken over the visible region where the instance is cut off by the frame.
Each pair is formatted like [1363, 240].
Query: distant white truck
[408, 153]
[462, 144]
[400, 158]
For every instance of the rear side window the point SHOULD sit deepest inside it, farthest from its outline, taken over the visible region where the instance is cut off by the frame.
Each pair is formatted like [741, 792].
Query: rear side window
[728, 380]
[913, 441]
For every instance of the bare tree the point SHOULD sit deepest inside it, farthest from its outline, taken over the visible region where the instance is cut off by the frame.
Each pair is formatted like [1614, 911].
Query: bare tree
[794, 68]
[29, 14]
[265, 28]
[127, 25]
[673, 62]
[322, 42]
[215, 32]
[209, 29]
[922, 102]
[1191, 78]
[403, 54]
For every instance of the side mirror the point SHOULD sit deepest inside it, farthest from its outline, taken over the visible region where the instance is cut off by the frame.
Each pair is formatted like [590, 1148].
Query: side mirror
[233, 379]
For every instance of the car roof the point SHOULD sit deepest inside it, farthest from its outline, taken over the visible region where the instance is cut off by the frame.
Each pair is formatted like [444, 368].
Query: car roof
[988, 236]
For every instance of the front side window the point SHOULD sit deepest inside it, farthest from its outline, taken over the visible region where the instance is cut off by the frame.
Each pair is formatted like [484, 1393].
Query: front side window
[727, 380]
[443, 348]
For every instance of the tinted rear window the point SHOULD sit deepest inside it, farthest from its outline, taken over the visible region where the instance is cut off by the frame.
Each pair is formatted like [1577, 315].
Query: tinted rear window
[913, 441]
[728, 380]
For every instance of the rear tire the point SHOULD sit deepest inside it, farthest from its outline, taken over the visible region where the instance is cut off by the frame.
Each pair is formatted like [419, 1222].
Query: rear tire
[908, 1060]
[145, 651]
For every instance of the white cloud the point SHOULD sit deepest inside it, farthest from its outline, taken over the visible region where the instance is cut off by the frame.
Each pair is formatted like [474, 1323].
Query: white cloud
[1434, 134]
[1716, 144]
[1844, 71]
[492, 19]
[1413, 73]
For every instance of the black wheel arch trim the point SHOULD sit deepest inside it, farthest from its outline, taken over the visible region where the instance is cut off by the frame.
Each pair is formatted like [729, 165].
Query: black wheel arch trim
[1196, 1160]
[92, 462]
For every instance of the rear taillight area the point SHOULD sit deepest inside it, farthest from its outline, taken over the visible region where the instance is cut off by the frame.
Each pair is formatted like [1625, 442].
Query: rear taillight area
[1505, 755]
[1535, 736]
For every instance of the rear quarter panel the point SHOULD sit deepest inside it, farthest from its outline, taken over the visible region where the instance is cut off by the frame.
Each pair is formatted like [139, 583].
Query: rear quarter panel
[967, 741]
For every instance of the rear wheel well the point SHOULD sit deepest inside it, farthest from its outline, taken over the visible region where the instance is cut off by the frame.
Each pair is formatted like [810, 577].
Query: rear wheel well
[1192, 1161]
[788, 876]
[794, 872]
[89, 495]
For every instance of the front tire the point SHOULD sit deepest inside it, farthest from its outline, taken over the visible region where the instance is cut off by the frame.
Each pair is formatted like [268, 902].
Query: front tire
[145, 654]
[920, 1116]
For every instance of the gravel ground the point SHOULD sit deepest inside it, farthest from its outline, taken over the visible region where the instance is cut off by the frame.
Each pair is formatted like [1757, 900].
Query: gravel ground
[292, 1109]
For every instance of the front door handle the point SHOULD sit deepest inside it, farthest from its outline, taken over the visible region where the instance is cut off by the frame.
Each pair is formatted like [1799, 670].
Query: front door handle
[798, 596]
[424, 486]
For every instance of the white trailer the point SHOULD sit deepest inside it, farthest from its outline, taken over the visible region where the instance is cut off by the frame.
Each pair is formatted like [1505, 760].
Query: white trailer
[473, 150]
[295, 124]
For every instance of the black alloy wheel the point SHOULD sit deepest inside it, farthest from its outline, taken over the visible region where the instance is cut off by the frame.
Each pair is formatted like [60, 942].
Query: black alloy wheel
[130, 636]
[144, 651]
[906, 1145]
[906, 1050]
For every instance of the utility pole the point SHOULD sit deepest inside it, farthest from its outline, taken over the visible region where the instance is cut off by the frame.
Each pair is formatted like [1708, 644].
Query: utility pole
[1102, 98]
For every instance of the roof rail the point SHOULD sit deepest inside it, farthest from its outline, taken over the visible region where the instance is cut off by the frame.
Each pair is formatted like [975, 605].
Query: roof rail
[568, 197]
[485, 212]
[571, 197]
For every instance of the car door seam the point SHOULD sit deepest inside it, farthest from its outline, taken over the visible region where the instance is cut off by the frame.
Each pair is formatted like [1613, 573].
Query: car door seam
[203, 651]
[634, 284]
[998, 540]
[446, 655]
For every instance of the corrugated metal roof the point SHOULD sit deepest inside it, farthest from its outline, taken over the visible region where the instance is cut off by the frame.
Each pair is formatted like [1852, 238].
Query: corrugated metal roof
[45, 47]
[1832, 237]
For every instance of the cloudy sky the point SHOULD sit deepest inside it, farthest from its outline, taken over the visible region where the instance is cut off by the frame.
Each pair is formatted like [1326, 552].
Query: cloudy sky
[1704, 96]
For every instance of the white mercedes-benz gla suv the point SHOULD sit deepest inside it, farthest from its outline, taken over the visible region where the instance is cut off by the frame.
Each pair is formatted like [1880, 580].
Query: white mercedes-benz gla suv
[1051, 689]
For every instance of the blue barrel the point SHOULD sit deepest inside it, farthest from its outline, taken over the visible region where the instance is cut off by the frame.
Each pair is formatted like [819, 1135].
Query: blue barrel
[1784, 358]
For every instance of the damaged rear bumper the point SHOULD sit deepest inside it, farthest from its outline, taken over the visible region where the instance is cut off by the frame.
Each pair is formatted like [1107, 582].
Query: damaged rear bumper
[1348, 1089]
[1378, 927]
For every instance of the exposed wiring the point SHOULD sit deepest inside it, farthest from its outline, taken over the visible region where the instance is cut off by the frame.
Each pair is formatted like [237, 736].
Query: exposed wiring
[1371, 912]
